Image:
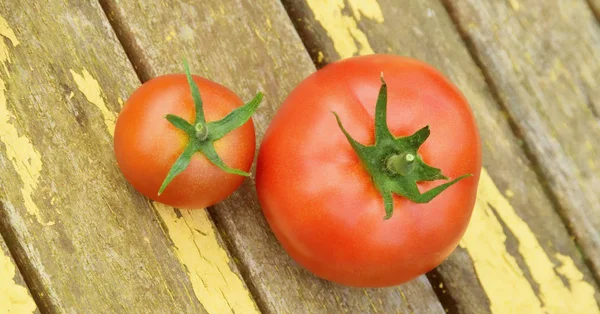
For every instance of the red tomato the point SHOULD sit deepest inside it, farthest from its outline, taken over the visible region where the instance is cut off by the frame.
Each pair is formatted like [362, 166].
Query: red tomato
[322, 203]
[147, 145]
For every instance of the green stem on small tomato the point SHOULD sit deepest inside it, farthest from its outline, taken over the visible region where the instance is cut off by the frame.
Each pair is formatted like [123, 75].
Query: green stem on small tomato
[202, 134]
[393, 162]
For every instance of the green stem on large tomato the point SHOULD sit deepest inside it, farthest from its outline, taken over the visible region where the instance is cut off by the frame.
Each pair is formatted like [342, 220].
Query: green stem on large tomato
[393, 162]
[202, 134]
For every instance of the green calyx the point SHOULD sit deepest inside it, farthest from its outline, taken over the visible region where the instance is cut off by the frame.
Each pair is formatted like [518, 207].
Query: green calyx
[202, 135]
[394, 163]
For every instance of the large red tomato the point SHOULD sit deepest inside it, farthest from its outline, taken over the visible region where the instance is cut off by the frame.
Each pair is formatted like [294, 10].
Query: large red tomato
[354, 210]
[203, 153]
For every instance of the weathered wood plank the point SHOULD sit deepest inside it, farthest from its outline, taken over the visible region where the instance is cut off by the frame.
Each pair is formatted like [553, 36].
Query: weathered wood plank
[516, 256]
[87, 241]
[543, 58]
[250, 46]
[14, 294]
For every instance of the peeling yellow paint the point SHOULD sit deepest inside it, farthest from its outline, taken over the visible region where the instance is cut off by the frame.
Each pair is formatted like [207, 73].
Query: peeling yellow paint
[343, 30]
[509, 193]
[14, 298]
[7, 32]
[23, 156]
[320, 56]
[216, 285]
[90, 88]
[514, 4]
[507, 288]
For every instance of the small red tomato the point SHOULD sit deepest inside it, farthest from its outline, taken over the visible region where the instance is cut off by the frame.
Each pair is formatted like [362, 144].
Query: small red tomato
[383, 194]
[181, 148]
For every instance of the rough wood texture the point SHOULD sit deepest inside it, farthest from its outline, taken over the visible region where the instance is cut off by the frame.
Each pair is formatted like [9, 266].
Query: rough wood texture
[14, 294]
[87, 242]
[543, 58]
[250, 46]
[517, 256]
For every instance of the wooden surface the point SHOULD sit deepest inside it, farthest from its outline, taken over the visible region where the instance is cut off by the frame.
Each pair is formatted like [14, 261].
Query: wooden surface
[510, 257]
[266, 55]
[86, 241]
[14, 294]
[543, 60]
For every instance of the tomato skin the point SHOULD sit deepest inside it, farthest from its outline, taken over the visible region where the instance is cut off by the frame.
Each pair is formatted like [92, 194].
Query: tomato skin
[321, 203]
[147, 145]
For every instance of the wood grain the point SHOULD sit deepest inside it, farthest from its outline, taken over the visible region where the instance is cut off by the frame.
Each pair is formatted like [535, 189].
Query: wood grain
[85, 240]
[250, 46]
[517, 255]
[14, 294]
[543, 58]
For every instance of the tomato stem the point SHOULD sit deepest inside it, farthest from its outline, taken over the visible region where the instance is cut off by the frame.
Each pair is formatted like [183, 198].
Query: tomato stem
[202, 135]
[400, 163]
[393, 162]
[201, 131]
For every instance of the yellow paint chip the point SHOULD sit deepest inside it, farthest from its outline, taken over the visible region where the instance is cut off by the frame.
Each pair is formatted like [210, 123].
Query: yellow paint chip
[14, 298]
[509, 193]
[25, 159]
[507, 288]
[343, 30]
[7, 32]
[216, 285]
[90, 88]
[320, 57]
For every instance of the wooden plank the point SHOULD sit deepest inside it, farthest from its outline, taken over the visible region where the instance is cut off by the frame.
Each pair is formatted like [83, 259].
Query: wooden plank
[86, 240]
[250, 46]
[516, 256]
[14, 294]
[543, 58]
